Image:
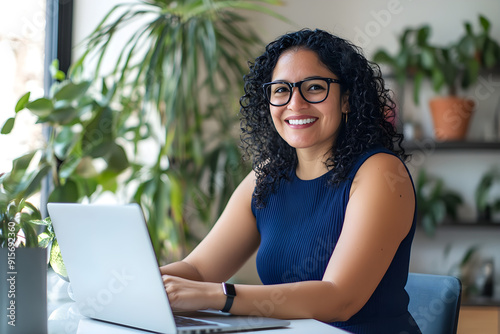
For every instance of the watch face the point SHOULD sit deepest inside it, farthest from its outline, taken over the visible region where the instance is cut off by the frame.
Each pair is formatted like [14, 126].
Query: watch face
[229, 289]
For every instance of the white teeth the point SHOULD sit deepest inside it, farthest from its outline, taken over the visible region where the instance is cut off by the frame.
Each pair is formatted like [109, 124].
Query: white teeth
[301, 121]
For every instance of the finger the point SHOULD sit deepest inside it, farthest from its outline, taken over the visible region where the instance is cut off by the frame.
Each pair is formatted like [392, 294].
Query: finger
[166, 278]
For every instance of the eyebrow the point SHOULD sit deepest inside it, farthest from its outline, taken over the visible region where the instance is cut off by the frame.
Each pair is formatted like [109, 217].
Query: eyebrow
[307, 78]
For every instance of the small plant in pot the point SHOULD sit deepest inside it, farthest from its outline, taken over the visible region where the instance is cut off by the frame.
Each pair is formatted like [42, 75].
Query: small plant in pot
[435, 202]
[459, 66]
[21, 223]
[24, 262]
[486, 205]
[452, 68]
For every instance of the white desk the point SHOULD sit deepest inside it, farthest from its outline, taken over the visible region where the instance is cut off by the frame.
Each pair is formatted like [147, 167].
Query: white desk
[65, 319]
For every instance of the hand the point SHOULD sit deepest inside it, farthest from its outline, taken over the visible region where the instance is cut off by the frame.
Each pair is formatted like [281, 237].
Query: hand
[188, 295]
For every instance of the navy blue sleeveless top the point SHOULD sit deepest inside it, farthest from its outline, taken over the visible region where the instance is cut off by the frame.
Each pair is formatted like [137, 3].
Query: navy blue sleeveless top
[299, 228]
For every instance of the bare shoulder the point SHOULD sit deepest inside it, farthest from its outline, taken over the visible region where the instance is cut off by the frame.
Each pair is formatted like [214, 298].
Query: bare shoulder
[384, 171]
[245, 189]
[248, 182]
[383, 187]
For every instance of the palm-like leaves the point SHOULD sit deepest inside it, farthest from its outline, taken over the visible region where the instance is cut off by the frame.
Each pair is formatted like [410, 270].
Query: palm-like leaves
[178, 78]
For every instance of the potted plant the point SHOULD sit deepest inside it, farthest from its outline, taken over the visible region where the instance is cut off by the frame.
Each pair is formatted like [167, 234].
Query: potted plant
[465, 269]
[485, 205]
[23, 292]
[178, 78]
[82, 136]
[411, 59]
[172, 98]
[453, 66]
[435, 202]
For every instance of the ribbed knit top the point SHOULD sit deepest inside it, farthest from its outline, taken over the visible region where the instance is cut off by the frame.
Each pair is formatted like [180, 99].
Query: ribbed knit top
[299, 228]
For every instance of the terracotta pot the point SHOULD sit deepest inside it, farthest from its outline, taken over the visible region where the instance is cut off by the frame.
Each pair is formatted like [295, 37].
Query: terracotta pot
[451, 116]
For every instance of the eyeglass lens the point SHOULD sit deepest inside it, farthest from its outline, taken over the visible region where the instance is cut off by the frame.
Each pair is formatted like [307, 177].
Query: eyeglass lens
[312, 90]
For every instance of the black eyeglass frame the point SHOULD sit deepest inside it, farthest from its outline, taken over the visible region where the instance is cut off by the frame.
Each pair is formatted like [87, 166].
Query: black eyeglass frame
[298, 84]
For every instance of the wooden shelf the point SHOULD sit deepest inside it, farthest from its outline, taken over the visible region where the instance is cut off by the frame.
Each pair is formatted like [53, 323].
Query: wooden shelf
[472, 224]
[430, 144]
[481, 302]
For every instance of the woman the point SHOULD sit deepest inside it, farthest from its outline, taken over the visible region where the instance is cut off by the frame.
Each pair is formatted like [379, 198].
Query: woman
[329, 204]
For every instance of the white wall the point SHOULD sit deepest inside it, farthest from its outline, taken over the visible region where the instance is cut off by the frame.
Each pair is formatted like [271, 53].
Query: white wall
[373, 24]
[87, 15]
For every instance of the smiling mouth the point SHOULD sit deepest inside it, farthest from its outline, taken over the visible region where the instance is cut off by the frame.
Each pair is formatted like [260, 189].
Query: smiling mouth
[301, 121]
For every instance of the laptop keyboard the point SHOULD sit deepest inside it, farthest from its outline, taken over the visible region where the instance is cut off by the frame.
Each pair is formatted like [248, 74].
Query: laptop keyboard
[188, 322]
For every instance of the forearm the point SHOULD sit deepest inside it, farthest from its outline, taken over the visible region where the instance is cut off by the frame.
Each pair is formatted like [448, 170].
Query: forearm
[182, 269]
[319, 300]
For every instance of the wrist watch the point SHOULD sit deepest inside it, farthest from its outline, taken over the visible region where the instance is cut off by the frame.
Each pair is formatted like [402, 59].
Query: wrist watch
[230, 293]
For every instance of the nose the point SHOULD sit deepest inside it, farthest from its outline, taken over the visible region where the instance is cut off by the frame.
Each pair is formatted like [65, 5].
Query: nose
[297, 102]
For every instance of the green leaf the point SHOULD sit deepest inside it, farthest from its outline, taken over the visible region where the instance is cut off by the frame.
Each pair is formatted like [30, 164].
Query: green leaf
[428, 225]
[62, 116]
[471, 73]
[72, 91]
[44, 240]
[383, 57]
[42, 222]
[35, 181]
[107, 180]
[34, 213]
[491, 56]
[55, 72]
[8, 126]
[417, 83]
[56, 260]
[485, 24]
[21, 103]
[69, 166]
[423, 34]
[438, 80]
[41, 107]
[97, 135]
[468, 28]
[67, 193]
[468, 255]
[86, 167]
[63, 142]
[176, 197]
[438, 211]
[87, 186]
[22, 163]
[29, 233]
[101, 148]
[427, 57]
[117, 158]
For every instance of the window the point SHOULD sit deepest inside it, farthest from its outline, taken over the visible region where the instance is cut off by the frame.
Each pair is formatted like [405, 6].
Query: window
[32, 34]
[22, 49]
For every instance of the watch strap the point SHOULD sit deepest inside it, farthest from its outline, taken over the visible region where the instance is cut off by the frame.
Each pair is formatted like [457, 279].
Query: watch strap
[230, 293]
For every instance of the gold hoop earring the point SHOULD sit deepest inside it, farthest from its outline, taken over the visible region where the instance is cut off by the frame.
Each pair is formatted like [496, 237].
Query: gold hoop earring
[345, 114]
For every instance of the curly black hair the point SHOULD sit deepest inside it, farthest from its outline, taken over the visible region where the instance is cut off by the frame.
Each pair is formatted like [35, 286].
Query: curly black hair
[369, 125]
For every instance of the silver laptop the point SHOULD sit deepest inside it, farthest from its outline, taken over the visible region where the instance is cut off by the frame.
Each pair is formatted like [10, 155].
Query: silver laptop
[115, 276]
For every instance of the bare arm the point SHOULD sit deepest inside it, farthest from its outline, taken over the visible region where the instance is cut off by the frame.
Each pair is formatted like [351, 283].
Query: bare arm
[379, 215]
[232, 240]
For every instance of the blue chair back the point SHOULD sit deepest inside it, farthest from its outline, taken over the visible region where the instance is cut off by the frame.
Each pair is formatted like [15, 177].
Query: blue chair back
[434, 302]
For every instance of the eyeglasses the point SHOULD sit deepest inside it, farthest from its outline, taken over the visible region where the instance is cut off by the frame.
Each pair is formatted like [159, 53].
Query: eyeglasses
[313, 90]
